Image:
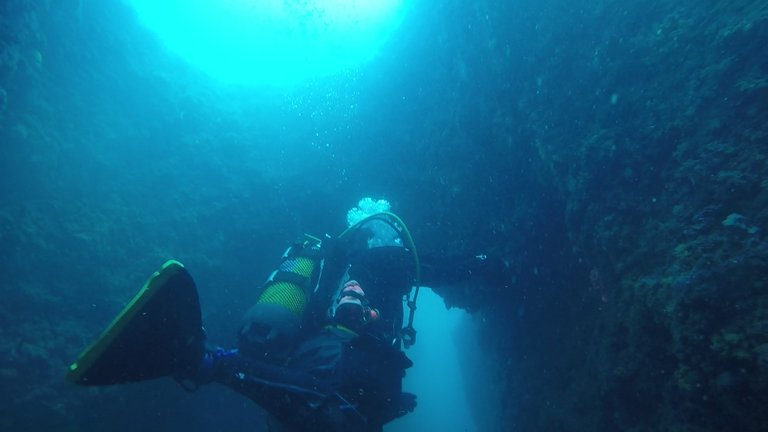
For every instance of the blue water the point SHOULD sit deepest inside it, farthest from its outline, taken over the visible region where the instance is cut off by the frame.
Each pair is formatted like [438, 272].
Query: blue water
[438, 374]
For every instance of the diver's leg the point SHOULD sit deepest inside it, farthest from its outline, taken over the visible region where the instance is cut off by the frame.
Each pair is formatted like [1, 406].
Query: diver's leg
[231, 368]
[285, 393]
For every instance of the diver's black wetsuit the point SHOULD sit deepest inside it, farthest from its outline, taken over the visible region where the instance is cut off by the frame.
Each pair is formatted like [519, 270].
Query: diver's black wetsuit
[339, 378]
[336, 381]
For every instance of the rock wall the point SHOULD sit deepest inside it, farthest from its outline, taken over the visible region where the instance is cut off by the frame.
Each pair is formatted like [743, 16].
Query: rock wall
[650, 119]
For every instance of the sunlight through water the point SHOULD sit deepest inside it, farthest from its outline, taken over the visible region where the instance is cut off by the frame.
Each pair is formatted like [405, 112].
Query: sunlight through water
[272, 42]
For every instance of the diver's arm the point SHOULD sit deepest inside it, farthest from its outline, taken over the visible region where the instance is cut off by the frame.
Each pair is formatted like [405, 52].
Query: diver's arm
[466, 281]
[440, 270]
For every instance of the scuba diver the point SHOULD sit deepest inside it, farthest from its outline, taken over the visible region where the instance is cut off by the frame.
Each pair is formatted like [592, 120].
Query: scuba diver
[320, 350]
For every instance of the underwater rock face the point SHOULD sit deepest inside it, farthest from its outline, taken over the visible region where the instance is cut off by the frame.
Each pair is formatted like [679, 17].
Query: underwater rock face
[647, 179]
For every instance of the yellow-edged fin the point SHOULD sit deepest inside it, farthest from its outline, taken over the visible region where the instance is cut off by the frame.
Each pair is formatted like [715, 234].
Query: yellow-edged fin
[168, 300]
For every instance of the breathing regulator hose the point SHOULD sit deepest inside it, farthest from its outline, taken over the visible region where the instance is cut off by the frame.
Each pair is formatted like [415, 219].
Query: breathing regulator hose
[407, 333]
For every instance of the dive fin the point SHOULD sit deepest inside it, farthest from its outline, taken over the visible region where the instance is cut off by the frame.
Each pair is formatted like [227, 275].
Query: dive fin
[159, 333]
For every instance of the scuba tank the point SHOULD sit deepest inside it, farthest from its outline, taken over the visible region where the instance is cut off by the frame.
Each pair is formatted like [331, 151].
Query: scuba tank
[302, 294]
[271, 326]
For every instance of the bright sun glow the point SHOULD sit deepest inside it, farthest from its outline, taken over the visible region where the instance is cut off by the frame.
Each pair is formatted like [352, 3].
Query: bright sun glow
[272, 41]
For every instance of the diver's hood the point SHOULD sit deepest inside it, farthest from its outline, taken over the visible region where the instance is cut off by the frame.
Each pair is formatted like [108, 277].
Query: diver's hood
[385, 271]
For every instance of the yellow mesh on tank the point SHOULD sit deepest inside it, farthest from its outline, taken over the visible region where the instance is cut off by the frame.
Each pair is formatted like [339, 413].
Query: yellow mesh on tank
[285, 294]
[302, 266]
